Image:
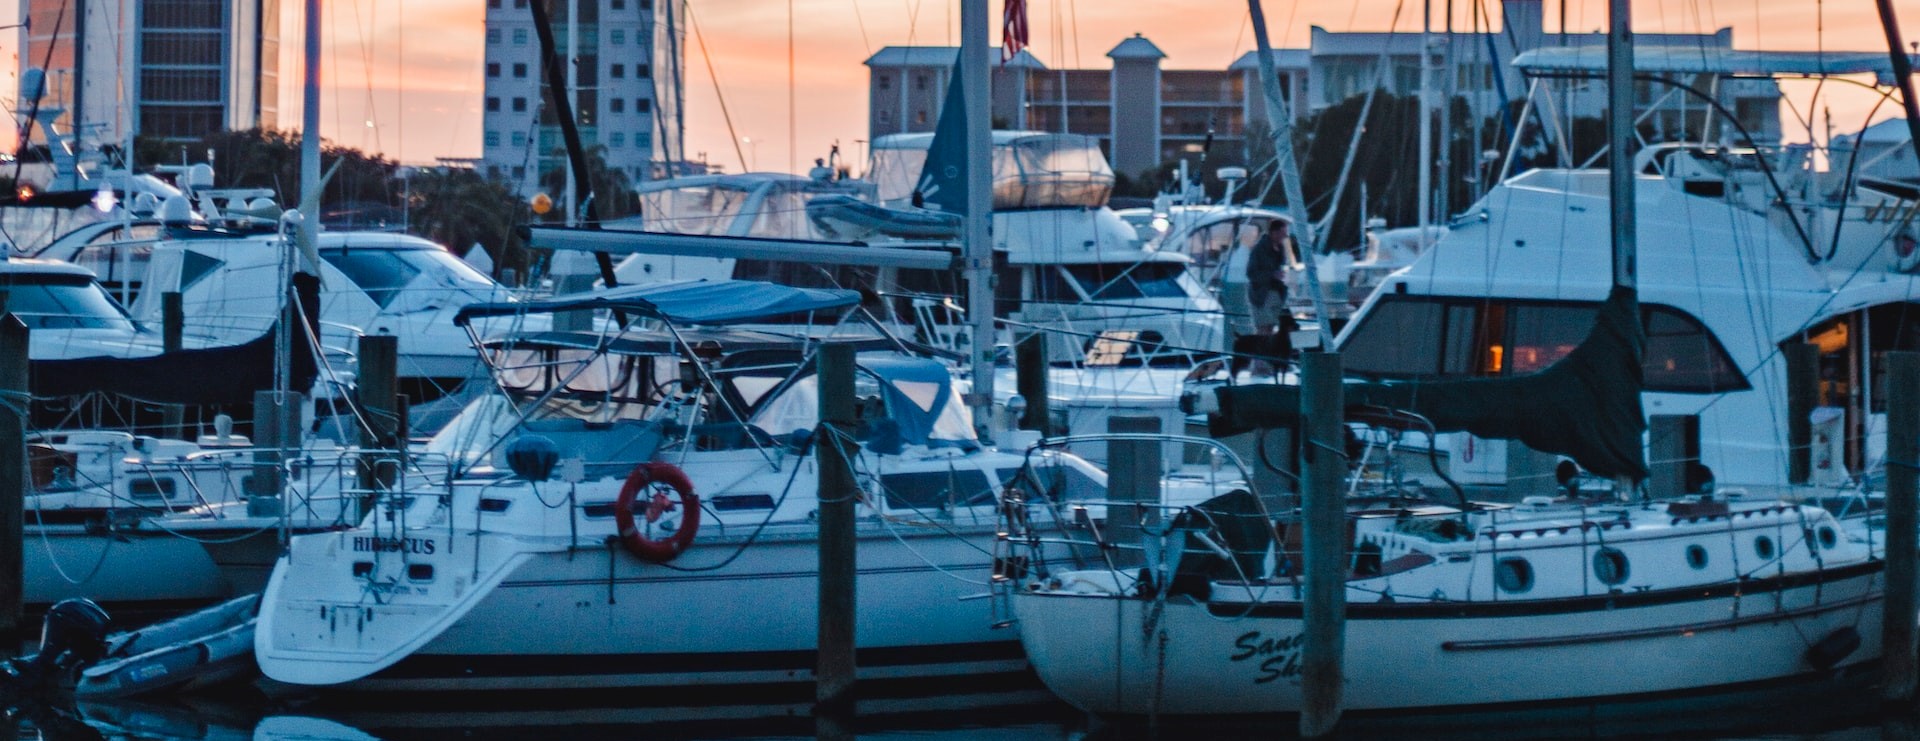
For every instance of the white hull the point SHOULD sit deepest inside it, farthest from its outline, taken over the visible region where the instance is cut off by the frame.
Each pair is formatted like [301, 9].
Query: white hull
[594, 617]
[1095, 652]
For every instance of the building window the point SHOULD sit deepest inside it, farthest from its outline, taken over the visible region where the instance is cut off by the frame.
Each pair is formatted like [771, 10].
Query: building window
[617, 105]
[642, 70]
[519, 171]
[884, 82]
[519, 35]
[493, 104]
[619, 35]
[642, 105]
[519, 138]
[920, 82]
[493, 138]
[920, 116]
[885, 116]
[519, 105]
[617, 71]
[617, 140]
[493, 69]
[519, 3]
[646, 4]
[493, 171]
[617, 5]
[519, 69]
[494, 4]
[493, 34]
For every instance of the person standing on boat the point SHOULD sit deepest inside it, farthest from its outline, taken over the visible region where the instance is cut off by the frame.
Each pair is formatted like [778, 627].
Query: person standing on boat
[1266, 279]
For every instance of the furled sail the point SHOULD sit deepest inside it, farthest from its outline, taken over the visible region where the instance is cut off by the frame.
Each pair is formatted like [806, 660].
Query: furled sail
[1586, 405]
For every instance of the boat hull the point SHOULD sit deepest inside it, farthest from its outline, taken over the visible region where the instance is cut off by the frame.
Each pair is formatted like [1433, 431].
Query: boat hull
[726, 612]
[1098, 653]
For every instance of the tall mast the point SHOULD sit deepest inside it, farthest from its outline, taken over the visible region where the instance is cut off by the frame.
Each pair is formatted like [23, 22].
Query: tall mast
[1619, 138]
[1280, 114]
[1425, 180]
[975, 239]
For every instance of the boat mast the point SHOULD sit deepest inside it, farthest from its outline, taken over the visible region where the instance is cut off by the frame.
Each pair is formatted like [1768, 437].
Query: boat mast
[1902, 72]
[1280, 114]
[976, 241]
[1425, 185]
[1619, 138]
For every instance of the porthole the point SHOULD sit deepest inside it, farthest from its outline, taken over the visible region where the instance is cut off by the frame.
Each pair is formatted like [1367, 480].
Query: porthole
[1763, 547]
[1513, 575]
[1696, 557]
[1828, 538]
[1610, 566]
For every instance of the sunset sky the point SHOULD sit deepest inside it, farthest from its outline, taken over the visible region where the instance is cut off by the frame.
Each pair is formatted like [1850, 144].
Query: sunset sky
[404, 78]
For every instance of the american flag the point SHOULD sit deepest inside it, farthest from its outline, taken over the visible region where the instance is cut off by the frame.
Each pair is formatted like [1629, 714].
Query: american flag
[1013, 35]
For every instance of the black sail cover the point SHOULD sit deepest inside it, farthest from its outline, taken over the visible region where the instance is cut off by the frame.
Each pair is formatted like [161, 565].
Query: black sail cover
[1586, 405]
[214, 375]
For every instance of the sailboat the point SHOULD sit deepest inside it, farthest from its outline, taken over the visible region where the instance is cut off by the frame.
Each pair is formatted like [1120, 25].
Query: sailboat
[1722, 575]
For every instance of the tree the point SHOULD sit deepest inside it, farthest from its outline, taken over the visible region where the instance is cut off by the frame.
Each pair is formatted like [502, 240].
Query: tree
[613, 193]
[266, 158]
[459, 207]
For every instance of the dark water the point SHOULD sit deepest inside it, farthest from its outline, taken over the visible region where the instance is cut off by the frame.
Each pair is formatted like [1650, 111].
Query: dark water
[1842, 709]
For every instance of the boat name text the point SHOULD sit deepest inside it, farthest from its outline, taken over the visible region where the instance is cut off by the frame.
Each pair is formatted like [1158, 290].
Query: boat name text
[365, 544]
[1279, 657]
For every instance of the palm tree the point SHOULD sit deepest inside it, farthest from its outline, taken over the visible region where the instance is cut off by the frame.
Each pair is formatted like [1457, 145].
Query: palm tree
[459, 207]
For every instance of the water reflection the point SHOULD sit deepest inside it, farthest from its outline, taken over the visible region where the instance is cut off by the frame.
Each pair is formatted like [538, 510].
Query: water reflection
[1842, 708]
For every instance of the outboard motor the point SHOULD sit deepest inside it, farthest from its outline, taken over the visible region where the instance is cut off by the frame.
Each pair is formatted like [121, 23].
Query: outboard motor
[74, 635]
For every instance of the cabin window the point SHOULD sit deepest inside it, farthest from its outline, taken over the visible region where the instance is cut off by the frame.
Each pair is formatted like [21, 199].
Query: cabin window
[934, 490]
[1121, 281]
[1827, 538]
[1513, 575]
[1448, 337]
[1763, 547]
[1610, 566]
[1696, 557]
[150, 488]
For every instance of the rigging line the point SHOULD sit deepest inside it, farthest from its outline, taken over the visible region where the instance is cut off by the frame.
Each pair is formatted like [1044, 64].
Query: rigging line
[861, 21]
[1073, 16]
[793, 119]
[364, 26]
[701, 39]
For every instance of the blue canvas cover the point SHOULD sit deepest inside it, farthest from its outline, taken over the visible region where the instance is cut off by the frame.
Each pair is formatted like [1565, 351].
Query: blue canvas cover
[683, 302]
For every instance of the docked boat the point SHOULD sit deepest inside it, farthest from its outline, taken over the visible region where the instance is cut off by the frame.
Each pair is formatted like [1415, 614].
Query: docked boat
[1723, 571]
[529, 580]
[195, 651]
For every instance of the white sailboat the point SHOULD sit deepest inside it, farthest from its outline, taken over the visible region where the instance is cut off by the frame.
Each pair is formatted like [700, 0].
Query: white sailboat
[1718, 582]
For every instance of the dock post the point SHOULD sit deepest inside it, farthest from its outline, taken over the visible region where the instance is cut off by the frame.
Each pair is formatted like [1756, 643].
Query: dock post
[1803, 393]
[173, 323]
[13, 475]
[1323, 517]
[375, 394]
[273, 415]
[839, 494]
[1030, 370]
[1903, 527]
[1134, 469]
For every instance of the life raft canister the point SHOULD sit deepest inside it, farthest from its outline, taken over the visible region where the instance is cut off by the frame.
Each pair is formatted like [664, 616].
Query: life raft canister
[633, 537]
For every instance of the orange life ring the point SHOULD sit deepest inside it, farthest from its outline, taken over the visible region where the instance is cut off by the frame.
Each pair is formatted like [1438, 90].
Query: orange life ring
[632, 537]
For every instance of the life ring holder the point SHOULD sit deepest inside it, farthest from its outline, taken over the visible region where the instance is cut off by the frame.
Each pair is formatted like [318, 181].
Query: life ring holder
[632, 536]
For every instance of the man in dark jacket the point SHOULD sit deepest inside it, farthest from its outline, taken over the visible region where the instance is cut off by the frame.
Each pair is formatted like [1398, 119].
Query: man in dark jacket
[1266, 279]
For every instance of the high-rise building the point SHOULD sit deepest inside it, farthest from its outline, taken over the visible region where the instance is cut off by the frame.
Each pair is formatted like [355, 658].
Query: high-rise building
[174, 69]
[625, 80]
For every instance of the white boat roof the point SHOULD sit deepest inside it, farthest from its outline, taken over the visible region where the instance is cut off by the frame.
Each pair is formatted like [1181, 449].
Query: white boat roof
[29, 265]
[924, 139]
[740, 180]
[1707, 60]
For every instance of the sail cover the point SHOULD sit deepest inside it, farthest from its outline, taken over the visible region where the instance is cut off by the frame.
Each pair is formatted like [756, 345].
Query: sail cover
[1586, 406]
[214, 375]
[682, 302]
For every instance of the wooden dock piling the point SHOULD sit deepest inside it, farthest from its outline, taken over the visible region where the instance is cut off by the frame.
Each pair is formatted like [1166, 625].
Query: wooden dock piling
[1030, 371]
[1899, 657]
[14, 477]
[1323, 516]
[834, 450]
[1803, 393]
[375, 391]
[173, 325]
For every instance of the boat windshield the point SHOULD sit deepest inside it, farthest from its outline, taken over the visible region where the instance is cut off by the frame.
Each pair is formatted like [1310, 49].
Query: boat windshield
[387, 274]
[693, 209]
[1120, 281]
[51, 301]
[1039, 171]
